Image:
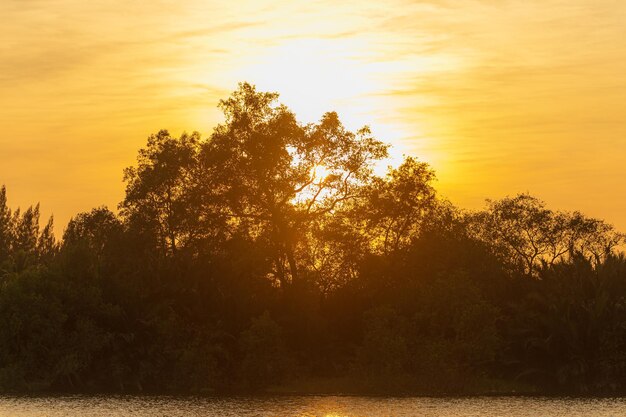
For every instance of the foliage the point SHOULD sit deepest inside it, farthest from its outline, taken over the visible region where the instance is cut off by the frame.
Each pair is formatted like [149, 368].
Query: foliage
[526, 234]
[264, 359]
[270, 252]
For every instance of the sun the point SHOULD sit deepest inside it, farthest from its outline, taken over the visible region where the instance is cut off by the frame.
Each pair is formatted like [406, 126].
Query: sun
[314, 76]
[320, 173]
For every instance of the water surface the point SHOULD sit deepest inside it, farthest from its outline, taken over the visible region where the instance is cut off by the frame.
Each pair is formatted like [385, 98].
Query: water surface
[306, 406]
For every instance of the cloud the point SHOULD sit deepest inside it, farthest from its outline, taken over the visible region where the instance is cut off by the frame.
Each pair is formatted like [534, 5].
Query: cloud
[494, 93]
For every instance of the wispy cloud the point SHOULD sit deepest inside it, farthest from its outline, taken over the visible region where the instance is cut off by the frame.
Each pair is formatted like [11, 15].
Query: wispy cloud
[500, 95]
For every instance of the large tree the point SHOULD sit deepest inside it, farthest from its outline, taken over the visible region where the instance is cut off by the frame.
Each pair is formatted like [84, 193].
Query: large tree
[278, 176]
[160, 202]
[526, 234]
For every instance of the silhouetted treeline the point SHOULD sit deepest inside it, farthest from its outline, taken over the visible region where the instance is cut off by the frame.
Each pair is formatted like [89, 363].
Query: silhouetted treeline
[270, 255]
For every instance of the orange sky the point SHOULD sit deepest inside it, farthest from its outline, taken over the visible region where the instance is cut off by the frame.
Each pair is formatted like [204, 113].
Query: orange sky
[499, 96]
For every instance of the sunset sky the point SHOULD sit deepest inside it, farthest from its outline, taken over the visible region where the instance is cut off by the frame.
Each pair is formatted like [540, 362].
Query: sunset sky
[500, 97]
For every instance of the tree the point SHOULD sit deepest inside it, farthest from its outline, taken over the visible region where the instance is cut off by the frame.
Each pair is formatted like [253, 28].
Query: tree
[569, 330]
[26, 230]
[387, 214]
[158, 191]
[47, 245]
[364, 276]
[94, 240]
[264, 356]
[28, 244]
[278, 176]
[525, 234]
[6, 226]
[396, 208]
[52, 331]
[384, 352]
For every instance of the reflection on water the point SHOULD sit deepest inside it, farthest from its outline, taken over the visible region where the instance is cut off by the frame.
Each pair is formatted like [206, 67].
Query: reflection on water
[304, 406]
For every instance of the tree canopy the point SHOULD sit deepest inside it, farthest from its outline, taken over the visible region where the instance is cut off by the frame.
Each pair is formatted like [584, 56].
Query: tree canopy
[271, 254]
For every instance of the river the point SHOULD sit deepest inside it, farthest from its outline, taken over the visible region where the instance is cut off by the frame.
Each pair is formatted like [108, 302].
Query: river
[307, 406]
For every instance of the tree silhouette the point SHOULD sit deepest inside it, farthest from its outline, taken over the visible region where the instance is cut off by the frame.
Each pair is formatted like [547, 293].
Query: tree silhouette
[266, 167]
[270, 255]
[525, 233]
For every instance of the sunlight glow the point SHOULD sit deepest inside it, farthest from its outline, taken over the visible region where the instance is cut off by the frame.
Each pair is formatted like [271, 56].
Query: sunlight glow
[346, 75]
[473, 88]
[320, 172]
[312, 74]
